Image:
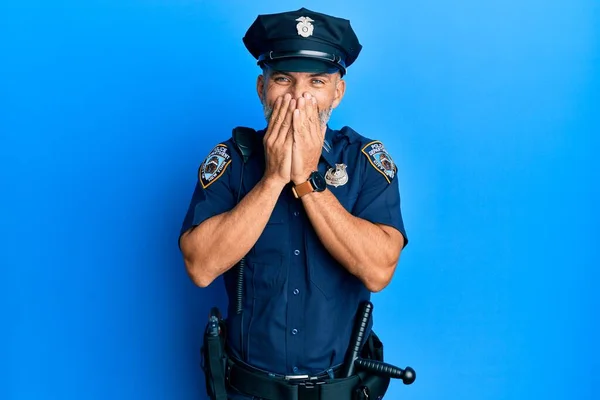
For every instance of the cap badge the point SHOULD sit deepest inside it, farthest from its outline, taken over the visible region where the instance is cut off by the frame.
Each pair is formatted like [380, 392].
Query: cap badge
[304, 26]
[336, 178]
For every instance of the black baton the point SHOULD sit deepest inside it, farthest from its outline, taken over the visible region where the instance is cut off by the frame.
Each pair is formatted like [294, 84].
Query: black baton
[380, 368]
[408, 375]
[358, 335]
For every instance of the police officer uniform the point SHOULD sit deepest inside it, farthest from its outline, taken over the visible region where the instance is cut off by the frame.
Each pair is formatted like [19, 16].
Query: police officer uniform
[298, 303]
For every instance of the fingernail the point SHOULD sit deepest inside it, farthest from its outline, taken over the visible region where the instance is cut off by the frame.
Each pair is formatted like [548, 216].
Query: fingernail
[307, 95]
[287, 96]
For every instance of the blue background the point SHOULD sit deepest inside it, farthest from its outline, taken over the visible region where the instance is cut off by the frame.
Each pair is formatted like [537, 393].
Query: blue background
[490, 109]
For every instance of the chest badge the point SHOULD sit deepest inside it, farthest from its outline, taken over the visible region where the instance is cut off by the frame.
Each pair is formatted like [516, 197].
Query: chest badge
[304, 26]
[338, 176]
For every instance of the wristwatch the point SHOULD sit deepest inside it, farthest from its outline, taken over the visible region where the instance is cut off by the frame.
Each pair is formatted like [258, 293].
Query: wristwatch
[315, 183]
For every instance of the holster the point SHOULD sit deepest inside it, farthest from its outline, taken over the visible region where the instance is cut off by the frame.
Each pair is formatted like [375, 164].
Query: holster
[214, 362]
[371, 386]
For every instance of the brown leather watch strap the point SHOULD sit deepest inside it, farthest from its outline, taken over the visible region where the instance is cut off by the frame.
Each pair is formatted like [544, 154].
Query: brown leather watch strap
[302, 189]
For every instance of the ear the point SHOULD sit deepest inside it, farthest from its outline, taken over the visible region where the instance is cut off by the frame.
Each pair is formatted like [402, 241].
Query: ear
[340, 89]
[260, 81]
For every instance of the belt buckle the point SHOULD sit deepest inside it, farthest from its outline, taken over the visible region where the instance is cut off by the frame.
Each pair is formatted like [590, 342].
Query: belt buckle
[295, 378]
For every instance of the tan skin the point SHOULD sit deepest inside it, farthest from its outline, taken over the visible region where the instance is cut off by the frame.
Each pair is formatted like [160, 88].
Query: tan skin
[293, 143]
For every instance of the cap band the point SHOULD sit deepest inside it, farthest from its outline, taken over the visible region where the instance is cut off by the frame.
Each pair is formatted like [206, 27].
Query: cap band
[277, 55]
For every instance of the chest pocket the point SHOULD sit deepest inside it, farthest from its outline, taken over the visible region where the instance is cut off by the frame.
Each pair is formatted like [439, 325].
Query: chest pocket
[266, 266]
[330, 279]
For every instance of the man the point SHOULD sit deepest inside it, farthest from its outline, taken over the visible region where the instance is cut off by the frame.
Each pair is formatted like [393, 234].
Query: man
[313, 213]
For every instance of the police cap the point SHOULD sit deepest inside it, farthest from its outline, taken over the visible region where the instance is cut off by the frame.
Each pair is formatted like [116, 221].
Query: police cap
[302, 41]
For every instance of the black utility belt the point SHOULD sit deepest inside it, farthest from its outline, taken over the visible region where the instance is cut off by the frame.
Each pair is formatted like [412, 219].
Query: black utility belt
[363, 375]
[257, 383]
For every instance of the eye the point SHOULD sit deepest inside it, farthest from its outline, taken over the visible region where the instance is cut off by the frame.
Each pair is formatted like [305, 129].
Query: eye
[281, 79]
[318, 82]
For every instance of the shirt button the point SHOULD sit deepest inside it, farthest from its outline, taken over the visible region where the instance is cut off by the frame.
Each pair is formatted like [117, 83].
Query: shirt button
[294, 331]
[296, 213]
[295, 369]
[296, 291]
[296, 252]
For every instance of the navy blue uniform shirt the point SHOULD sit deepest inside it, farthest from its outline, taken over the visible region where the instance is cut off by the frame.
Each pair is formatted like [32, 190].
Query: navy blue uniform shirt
[299, 303]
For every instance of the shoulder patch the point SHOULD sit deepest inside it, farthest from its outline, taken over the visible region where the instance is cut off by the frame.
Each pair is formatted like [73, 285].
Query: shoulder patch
[214, 165]
[380, 159]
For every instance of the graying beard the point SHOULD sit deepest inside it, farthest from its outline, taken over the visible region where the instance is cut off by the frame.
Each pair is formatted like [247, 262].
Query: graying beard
[324, 115]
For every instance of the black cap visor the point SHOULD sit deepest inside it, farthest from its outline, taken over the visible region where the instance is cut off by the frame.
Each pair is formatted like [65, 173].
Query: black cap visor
[301, 64]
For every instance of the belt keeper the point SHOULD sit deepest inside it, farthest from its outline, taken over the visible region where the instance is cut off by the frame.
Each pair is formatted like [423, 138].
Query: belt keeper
[309, 390]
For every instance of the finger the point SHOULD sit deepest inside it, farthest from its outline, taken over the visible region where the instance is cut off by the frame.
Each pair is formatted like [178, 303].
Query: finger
[311, 118]
[298, 122]
[301, 103]
[317, 129]
[299, 116]
[280, 118]
[309, 104]
[289, 138]
[286, 126]
[274, 113]
[309, 110]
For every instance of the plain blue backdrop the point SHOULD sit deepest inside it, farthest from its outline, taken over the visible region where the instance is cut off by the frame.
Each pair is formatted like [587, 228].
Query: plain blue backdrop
[490, 109]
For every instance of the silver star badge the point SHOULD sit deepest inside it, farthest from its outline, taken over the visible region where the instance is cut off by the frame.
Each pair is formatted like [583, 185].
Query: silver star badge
[337, 177]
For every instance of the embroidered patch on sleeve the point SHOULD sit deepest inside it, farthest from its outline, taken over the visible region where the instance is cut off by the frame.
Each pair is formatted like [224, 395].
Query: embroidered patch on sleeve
[380, 159]
[215, 164]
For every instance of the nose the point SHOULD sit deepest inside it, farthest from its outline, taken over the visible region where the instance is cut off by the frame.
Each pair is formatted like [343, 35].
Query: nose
[298, 89]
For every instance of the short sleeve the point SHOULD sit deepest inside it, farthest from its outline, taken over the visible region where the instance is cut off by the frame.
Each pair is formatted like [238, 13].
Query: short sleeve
[379, 198]
[213, 193]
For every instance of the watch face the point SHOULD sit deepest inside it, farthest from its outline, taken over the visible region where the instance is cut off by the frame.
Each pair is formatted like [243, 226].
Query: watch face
[318, 181]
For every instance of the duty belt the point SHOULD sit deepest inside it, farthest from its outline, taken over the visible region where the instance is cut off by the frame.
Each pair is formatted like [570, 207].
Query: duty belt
[257, 383]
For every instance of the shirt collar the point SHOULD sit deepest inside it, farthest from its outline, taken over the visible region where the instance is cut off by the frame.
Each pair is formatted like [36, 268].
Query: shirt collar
[327, 152]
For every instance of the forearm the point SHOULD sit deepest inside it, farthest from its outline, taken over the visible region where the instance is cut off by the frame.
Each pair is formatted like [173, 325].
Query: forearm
[217, 244]
[366, 250]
